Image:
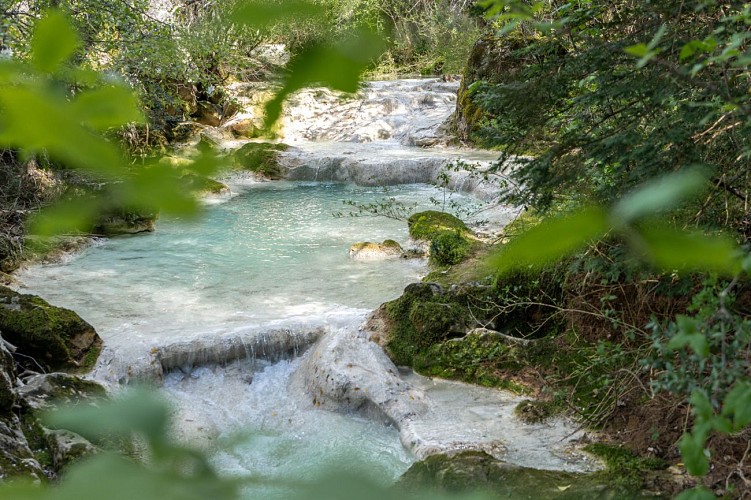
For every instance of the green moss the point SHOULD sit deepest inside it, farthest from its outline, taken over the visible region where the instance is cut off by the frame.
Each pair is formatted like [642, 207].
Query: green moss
[474, 358]
[391, 244]
[37, 439]
[420, 318]
[431, 223]
[56, 338]
[259, 157]
[449, 248]
[624, 467]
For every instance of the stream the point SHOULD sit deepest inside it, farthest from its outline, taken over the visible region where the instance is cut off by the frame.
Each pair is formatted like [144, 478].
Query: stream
[221, 310]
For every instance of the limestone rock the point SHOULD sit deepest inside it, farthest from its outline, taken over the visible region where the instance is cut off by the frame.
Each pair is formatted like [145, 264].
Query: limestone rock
[368, 251]
[7, 379]
[16, 458]
[43, 391]
[46, 336]
[67, 447]
[126, 224]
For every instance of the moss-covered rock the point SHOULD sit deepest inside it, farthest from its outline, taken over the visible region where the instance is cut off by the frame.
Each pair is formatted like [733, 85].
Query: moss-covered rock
[367, 251]
[431, 223]
[246, 128]
[493, 59]
[421, 317]
[16, 457]
[125, 221]
[450, 239]
[449, 248]
[203, 186]
[472, 471]
[260, 157]
[49, 337]
[44, 391]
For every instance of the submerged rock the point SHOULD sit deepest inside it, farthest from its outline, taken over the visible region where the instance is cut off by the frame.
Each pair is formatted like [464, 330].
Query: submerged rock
[47, 337]
[368, 251]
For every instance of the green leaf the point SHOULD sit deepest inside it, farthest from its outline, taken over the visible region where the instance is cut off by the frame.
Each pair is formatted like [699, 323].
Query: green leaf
[661, 194]
[338, 67]
[697, 341]
[552, 239]
[60, 133]
[737, 404]
[638, 50]
[700, 493]
[702, 407]
[137, 411]
[693, 454]
[154, 187]
[117, 478]
[671, 249]
[53, 43]
[65, 217]
[107, 107]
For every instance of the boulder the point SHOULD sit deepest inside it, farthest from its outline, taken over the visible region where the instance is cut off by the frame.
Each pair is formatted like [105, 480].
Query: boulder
[44, 391]
[67, 447]
[368, 251]
[47, 337]
[16, 458]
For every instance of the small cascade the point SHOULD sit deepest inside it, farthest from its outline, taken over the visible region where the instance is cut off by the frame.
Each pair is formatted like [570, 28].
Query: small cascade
[267, 346]
[389, 133]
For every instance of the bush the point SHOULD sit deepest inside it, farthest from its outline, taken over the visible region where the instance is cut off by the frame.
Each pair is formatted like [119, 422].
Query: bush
[449, 248]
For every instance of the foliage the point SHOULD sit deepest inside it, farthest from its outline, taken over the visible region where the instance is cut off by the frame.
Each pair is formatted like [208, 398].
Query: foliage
[705, 352]
[613, 94]
[449, 248]
[425, 37]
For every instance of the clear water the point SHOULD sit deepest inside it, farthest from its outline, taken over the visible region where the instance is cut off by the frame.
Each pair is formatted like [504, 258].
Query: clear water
[276, 252]
[273, 254]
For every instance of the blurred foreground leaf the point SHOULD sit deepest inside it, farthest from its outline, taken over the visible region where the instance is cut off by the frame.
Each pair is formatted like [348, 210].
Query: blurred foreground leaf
[53, 43]
[660, 194]
[674, 249]
[139, 411]
[338, 66]
[552, 239]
